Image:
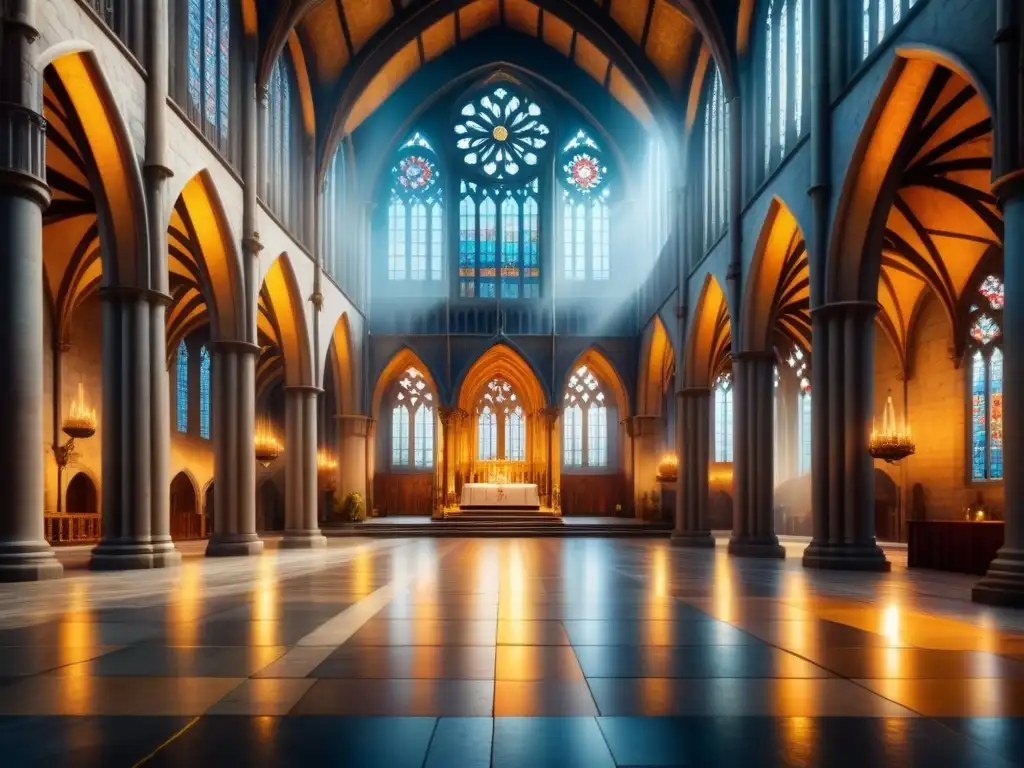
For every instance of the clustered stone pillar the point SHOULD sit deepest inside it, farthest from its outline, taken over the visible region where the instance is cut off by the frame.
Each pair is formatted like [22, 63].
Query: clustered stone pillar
[301, 529]
[24, 553]
[843, 487]
[132, 417]
[692, 443]
[233, 415]
[753, 528]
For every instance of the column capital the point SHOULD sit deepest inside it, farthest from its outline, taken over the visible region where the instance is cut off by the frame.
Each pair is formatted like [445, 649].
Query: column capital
[228, 346]
[116, 293]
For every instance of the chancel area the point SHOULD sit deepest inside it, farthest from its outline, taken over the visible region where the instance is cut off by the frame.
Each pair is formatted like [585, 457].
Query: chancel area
[632, 375]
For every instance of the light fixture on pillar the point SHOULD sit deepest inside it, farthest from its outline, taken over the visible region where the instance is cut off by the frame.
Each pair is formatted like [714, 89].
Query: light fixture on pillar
[327, 470]
[891, 444]
[668, 468]
[80, 424]
[268, 447]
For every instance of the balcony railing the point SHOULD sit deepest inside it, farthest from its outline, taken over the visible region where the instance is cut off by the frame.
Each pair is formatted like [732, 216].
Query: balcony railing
[69, 528]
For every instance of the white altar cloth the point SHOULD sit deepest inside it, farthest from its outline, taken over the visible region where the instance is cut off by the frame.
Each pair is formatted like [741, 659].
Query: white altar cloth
[511, 495]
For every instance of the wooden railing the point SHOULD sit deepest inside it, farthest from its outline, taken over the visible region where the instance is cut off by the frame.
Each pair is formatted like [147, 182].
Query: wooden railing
[71, 528]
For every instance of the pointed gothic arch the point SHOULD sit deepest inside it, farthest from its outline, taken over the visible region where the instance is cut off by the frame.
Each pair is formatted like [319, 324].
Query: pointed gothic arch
[708, 343]
[657, 365]
[281, 322]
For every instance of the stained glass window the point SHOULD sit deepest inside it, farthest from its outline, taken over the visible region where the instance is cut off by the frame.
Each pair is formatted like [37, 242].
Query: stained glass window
[488, 247]
[515, 435]
[487, 435]
[586, 216]
[283, 178]
[423, 451]
[436, 240]
[415, 213]
[716, 119]
[510, 274]
[784, 74]
[209, 60]
[418, 258]
[412, 421]
[204, 393]
[723, 418]
[876, 24]
[467, 247]
[400, 436]
[396, 240]
[499, 135]
[531, 249]
[769, 73]
[585, 425]
[804, 428]
[986, 380]
[182, 383]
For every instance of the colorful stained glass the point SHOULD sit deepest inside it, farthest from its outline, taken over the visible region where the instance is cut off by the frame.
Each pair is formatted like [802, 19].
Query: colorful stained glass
[600, 219]
[488, 247]
[211, 46]
[416, 173]
[995, 421]
[499, 133]
[985, 329]
[195, 45]
[204, 393]
[467, 247]
[223, 67]
[182, 385]
[979, 430]
[531, 249]
[992, 289]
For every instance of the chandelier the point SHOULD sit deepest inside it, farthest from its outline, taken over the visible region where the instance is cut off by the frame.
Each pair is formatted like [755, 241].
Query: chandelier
[268, 447]
[891, 445]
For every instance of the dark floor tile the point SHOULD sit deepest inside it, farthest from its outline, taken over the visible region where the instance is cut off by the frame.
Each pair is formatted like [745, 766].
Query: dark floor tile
[238, 632]
[545, 698]
[531, 633]
[299, 742]
[21, 660]
[406, 632]
[418, 698]
[566, 742]
[1003, 736]
[536, 662]
[655, 633]
[461, 741]
[409, 661]
[79, 634]
[916, 663]
[83, 741]
[164, 661]
[692, 661]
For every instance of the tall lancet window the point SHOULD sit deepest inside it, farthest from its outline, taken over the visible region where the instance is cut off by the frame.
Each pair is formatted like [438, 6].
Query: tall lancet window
[723, 418]
[985, 353]
[878, 18]
[412, 422]
[586, 216]
[784, 72]
[501, 138]
[716, 160]
[501, 423]
[181, 377]
[284, 139]
[584, 421]
[209, 66]
[204, 393]
[415, 214]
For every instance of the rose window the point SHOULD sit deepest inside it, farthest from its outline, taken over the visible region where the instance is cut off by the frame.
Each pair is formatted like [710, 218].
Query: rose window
[500, 134]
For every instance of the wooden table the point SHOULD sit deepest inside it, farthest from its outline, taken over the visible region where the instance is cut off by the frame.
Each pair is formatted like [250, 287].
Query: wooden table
[953, 545]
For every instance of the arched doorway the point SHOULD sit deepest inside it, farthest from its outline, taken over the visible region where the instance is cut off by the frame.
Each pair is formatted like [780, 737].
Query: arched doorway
[270, 509]
[208, 510]
[186, 522]
[81, 495]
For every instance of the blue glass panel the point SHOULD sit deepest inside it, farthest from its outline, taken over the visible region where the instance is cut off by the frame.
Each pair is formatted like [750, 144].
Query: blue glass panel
[195, 67]
[210, 47]
[182, 377]
[223, 67]
[978, 417]
[204, 393]
[995, 394]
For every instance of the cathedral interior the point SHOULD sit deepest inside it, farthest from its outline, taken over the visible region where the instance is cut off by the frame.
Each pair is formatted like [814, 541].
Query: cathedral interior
[511, 382]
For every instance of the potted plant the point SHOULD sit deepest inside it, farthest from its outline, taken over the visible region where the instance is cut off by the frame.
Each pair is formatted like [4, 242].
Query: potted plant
[353, 510]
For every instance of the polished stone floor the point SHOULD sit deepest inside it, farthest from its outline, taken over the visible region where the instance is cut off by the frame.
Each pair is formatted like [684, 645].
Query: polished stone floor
[523, 652]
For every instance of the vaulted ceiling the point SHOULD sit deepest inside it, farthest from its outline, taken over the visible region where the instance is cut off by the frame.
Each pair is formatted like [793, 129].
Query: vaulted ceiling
[645, 53]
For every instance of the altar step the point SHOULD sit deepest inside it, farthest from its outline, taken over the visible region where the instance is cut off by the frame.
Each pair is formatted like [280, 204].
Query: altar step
[503, 516]
[506, 527]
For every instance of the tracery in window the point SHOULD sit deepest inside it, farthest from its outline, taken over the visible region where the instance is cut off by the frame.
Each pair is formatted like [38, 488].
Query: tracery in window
[412, 422]
[501, 423]
[415, 213]
[723, 418]
[584, 421]
[986, 383]
[499, 134]
[209, 58]
[878, 18]
[497, 220]
[182, 385]
[204, 393]
[716, 118]
[586, 218]
[283, 176]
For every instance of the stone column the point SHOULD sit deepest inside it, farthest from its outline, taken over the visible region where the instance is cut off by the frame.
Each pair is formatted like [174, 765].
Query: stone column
[1004, 582]
[233, 417]
[692, 446]
[131, 455]
[301, 529]
[352, 455]
[551, 416]
[448, 416]
[844, 490]
[753, 527]
[24, 553]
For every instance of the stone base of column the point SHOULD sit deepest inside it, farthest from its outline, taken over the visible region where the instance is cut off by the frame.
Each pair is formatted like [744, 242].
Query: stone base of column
[234, 545]
[165, 555]
[129, 556]
[1003, 585]
[28, 561]
[303, 540]
[846, 557]
[698, 540]
[745, 547]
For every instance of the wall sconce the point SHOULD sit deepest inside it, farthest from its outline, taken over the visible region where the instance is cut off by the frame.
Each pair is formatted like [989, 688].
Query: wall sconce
[80, 424]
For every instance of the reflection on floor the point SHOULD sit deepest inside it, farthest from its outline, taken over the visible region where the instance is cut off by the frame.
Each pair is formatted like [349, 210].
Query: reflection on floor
[526, 652]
